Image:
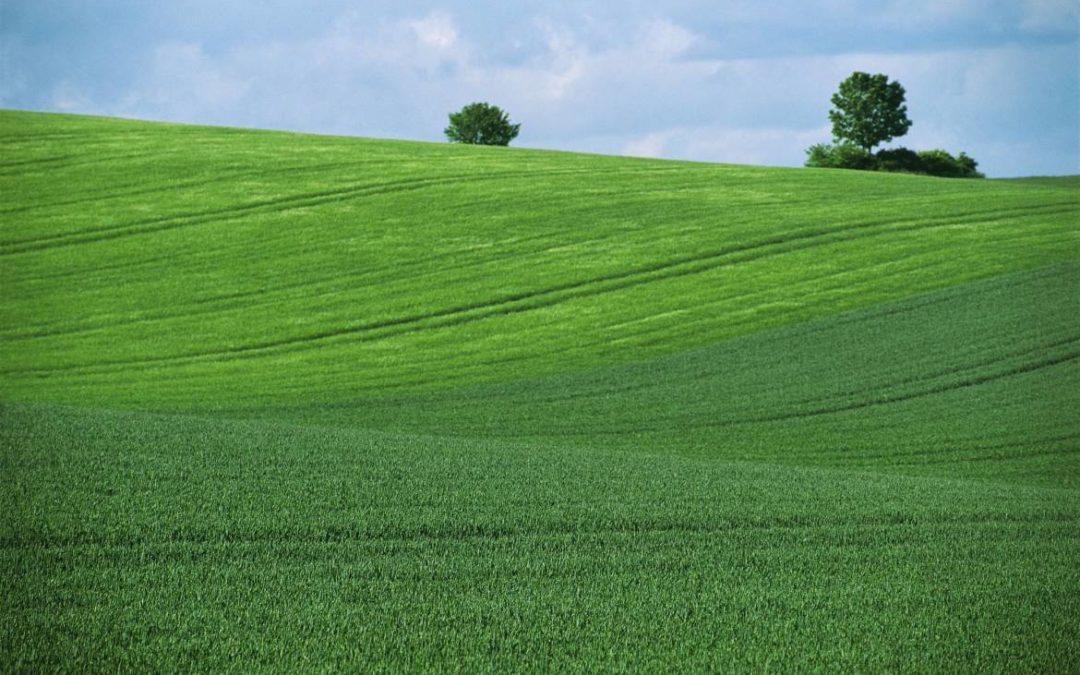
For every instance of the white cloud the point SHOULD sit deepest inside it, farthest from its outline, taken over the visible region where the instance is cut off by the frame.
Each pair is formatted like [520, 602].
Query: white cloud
[666, 39]
[645, 93]
[562, 67]
[66, 97]
[717, 143]
[436, 30]
[649, 145]
[184, 80]
[417, 44]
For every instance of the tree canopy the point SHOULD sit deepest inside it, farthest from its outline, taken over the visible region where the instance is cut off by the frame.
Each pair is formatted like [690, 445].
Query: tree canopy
[869, 110]
[481, 124]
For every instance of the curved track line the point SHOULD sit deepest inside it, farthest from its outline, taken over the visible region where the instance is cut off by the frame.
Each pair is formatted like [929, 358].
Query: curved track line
[939, 374]
[704, 375]
[21, 171]
[336, 284]
[832, 410]
[281, 204]
[223, 175]
[7, 336]
[719, 525]
[528, 300]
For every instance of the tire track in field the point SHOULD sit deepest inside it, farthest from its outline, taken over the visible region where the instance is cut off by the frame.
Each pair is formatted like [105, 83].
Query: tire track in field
[17, 164]
[1073, 449]
[412, 263]
[503, 305]
[952, 371]
[1069, 442]
[338, 283]
[305, 200]
[224, 174]
[969, 444]
[968, 382]
[18, 171]
[394, 533]
[689, 420]
[31, 136]
[702, 373]
[62, 274]
[530, 300]
[453, 255]
[281, 204]
[89, 234]
[219, 177]
[152, 225]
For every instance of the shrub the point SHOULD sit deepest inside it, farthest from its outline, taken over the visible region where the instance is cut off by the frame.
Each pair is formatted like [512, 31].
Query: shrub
[969, 165]
[897, 160]
[941, 163]
[938, 163]
[839, 156]
[900, 160]
[819, 156]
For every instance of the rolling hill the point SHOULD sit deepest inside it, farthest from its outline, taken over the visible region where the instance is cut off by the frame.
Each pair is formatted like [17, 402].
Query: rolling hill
[289, 401]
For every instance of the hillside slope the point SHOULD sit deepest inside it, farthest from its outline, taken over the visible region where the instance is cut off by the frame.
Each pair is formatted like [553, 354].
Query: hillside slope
[974, 380]
[176, 268]
[288, 402]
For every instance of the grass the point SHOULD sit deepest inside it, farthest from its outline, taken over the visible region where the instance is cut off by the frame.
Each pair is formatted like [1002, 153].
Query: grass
[201, 265]
[976, 372]
[175, 542]
[276, 401]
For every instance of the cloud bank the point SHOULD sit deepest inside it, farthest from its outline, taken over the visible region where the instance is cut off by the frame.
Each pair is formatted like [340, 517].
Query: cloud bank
[733, 82]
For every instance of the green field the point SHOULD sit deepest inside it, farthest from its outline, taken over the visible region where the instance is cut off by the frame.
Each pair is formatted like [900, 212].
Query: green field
[294, 402]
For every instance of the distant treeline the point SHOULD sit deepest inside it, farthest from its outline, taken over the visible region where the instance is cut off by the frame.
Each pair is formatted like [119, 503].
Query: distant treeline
[900, 160]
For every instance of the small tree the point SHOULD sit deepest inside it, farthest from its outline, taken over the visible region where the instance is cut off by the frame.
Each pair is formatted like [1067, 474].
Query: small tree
[481, 124]
[869, 110]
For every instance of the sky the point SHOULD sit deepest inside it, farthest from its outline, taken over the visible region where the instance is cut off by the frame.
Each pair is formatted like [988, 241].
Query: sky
[734, 81]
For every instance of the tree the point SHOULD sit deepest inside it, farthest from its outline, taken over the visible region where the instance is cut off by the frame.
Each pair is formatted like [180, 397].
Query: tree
[869, 110]
[839, 156]
[481, 124]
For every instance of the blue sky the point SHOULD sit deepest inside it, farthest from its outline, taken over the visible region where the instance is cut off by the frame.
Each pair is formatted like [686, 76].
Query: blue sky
[724, 81]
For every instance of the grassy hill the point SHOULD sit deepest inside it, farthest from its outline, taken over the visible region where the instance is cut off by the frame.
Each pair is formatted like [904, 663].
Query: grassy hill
[292, 401]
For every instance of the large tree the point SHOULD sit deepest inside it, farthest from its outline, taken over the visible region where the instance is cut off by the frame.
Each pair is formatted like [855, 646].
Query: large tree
[869, 110]
[481, 124]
